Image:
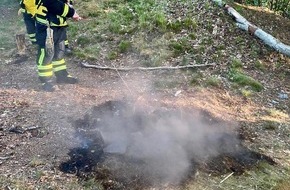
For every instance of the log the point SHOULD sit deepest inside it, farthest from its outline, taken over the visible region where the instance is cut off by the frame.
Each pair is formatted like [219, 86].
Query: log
[20, 42]
[244, 24]
[144, 68]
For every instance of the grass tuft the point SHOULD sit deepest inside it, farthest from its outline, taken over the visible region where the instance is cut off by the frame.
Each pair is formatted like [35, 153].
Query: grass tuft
[242, 79]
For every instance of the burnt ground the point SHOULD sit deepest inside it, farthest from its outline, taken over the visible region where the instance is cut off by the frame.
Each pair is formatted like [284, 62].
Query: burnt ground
[127, 162]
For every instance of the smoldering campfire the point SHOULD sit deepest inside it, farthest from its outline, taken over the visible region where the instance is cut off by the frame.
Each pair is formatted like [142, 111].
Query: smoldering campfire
[125, 147]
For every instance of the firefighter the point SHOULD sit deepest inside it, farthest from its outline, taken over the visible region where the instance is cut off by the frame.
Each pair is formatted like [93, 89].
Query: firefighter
[68, 50]
[31, 25]
[29, 22]
[50, 16]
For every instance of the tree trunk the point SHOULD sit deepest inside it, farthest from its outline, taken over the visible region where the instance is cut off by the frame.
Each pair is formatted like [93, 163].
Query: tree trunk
[20, 42]
[243, 24]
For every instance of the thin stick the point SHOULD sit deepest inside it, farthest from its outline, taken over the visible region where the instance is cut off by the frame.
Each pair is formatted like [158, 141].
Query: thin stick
[227, 177]
[122, 79]
[4, 158]
[32, 128]
[143, 68]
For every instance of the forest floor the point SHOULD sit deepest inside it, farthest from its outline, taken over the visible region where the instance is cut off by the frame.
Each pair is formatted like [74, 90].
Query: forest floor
[41, 146]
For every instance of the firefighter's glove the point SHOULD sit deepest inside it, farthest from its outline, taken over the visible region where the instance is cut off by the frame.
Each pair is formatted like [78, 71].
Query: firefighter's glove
[42, 10]
[19, 11]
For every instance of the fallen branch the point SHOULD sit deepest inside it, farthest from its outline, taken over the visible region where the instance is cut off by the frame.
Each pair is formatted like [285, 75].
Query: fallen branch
[4, 158]
[143, 68]
[32, 128]
[243, 24]
[21, 130]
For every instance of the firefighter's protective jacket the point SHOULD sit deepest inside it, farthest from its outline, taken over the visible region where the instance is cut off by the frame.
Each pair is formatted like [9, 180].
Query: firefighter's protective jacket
[46, 11]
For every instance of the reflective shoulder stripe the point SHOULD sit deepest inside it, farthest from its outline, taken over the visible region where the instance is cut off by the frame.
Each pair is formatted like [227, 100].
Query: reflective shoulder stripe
[65, 11]
[41, 20]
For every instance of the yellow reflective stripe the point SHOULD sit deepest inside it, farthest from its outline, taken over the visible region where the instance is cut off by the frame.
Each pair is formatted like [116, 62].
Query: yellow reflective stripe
[45, 70]
[45, 67]
[66, 42]
[59, 68]
[59, 65]
[59, 62]
[41, 57]
[64, 24]
[65, 11]
[31, 35]
[41, 20]
[33, 39]
[45, 74]
[61, 20]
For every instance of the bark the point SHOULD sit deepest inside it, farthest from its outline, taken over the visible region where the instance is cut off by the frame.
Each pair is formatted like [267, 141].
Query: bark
[20, 42]
[243, 24]
[143, 68]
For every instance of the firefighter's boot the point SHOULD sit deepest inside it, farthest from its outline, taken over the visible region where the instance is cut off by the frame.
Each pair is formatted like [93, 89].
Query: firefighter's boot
[62, 77]
[46, 84]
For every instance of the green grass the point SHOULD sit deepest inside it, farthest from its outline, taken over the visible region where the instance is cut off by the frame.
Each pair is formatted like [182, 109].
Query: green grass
[213, 81]
[33, 181]
[8, 3]
[241, 79]
[128, 20]
[166, 84]
[236, 63]
[124, 46]
[270, 125]
[264, 177]
[259, 65]
[112, 55]
[196, 78]
[10, 25]
[238, 77]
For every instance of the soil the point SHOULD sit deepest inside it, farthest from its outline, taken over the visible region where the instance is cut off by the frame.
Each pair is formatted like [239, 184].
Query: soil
[39, 129]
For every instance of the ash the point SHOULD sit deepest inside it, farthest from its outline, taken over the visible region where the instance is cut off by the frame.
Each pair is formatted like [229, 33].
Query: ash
[125, 147]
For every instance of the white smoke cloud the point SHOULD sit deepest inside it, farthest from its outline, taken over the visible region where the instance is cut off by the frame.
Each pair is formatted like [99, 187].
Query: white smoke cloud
[166, 142]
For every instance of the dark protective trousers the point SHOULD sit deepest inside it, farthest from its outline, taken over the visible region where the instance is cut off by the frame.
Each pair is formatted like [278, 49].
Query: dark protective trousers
[49, 63]
[30, 26]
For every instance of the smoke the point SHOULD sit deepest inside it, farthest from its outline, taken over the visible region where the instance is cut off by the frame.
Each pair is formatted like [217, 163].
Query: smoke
[167, 142]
